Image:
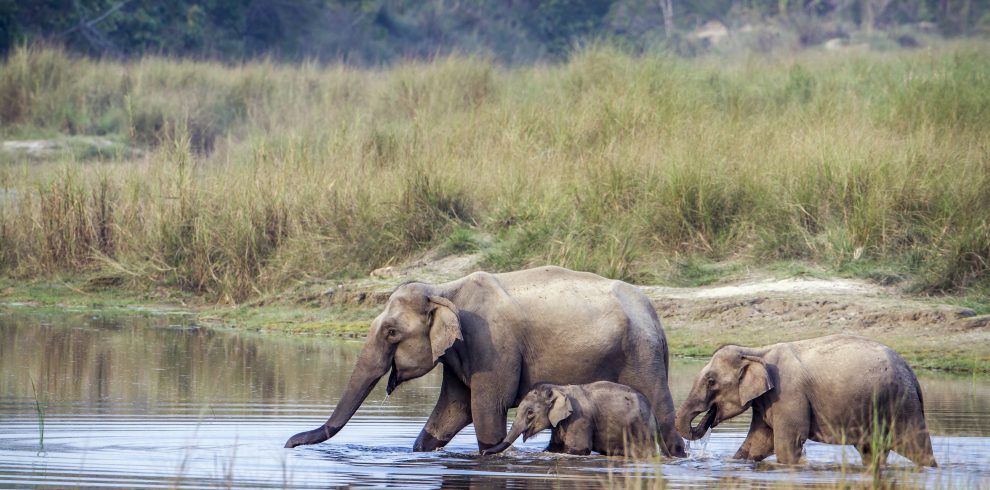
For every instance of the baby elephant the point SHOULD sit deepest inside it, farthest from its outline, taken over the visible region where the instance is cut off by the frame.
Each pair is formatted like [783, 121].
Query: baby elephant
[604, 417]
[839, 389]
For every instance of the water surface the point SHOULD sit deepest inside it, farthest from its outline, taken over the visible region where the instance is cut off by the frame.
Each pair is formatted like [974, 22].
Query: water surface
[152, 401]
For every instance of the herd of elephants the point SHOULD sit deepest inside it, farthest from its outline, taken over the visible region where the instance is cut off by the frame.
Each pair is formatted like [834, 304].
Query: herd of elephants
[587, 357]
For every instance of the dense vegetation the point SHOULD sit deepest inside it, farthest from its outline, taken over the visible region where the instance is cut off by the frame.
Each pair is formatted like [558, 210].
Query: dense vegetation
[377, 31]
[255, 176]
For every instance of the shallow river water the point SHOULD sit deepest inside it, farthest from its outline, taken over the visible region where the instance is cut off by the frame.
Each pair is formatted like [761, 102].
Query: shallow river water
[150, 401]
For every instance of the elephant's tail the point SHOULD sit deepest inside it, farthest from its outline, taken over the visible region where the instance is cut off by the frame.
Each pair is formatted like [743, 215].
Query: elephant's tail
[666, 357]
[921, 398]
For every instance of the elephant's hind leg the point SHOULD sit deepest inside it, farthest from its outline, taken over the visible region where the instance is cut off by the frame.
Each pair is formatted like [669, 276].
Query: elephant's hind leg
[870, 455]
[916, 445]
[451, 414]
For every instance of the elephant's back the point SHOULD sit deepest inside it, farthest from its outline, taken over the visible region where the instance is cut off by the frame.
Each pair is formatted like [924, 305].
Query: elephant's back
[548, 295]
[849, 359]
[843, 352]
[622, 407]
[578, 327]
[530, 281]
[861, 373]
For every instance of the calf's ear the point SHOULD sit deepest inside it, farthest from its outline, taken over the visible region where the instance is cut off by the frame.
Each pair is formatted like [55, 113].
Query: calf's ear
[754, 380]
[560, 408]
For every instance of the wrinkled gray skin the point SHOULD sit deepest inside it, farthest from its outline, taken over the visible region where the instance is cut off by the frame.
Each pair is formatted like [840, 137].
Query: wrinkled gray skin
[604, 417]
[498, 335]
[839, 389]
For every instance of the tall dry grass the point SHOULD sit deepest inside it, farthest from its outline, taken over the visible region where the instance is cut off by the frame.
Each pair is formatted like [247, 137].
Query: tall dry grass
[260, 174]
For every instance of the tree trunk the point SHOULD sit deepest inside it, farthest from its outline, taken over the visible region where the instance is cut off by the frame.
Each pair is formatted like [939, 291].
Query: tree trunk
[667, 9]
[869, 16]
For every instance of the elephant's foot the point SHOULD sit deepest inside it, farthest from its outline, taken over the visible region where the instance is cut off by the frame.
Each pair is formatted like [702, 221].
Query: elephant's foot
[746, 455]
[925, 460]
[426, 442]
[484, 447]
[577, 451]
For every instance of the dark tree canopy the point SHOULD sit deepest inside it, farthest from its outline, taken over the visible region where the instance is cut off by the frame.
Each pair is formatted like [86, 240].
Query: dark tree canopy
[380, 31]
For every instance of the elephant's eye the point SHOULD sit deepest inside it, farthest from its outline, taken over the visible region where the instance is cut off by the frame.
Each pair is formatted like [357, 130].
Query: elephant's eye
[391, 332]
[529, 411]
[711, 382]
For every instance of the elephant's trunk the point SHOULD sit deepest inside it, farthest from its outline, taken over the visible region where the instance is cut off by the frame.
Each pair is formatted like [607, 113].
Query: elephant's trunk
[514, 433]
[687, 413]
[372, 364]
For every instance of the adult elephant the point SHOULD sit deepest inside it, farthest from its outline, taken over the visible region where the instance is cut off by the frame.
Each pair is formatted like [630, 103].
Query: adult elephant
[498, 335]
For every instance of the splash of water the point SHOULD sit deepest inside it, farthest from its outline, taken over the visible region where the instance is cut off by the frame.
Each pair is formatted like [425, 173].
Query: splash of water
[702, 443]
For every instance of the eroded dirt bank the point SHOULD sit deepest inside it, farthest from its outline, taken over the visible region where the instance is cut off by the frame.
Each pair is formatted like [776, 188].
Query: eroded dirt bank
[758, 311]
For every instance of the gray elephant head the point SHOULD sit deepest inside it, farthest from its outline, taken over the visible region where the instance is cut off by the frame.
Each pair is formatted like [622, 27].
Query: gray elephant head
[409, 336]
[725, 388]
[543, 407]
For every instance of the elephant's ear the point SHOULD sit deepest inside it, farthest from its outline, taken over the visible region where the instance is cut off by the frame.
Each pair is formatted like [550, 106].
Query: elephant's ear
[560, 408]
[754, 380]
[445, 327]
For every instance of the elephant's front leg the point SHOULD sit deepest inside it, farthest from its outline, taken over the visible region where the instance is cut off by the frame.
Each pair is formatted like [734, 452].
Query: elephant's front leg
[490, 402]
[790, 431]
[556, 444]
[759, 442]
[451, 414]
[577, 438]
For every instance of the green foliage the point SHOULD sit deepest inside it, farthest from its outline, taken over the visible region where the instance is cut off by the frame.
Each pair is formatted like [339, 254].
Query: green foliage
[462, 240]
[373, 32]
[956, 95]
[694, 271]
[560, 24]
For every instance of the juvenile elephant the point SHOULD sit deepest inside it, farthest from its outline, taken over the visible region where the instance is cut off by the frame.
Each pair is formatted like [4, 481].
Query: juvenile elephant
[605, 417]
[498, 335]
[839, 389]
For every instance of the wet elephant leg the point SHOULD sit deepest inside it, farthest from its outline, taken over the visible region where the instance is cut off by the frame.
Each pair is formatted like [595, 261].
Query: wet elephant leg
[451, 414]
[759, 442]
[915, 444]
[870, 455]
[556, 443]
[488, 411]
[789, 435]
[578, 438]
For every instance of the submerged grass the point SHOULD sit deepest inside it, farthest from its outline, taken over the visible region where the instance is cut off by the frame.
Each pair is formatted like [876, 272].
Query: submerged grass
[40, 411]
[259, 175]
